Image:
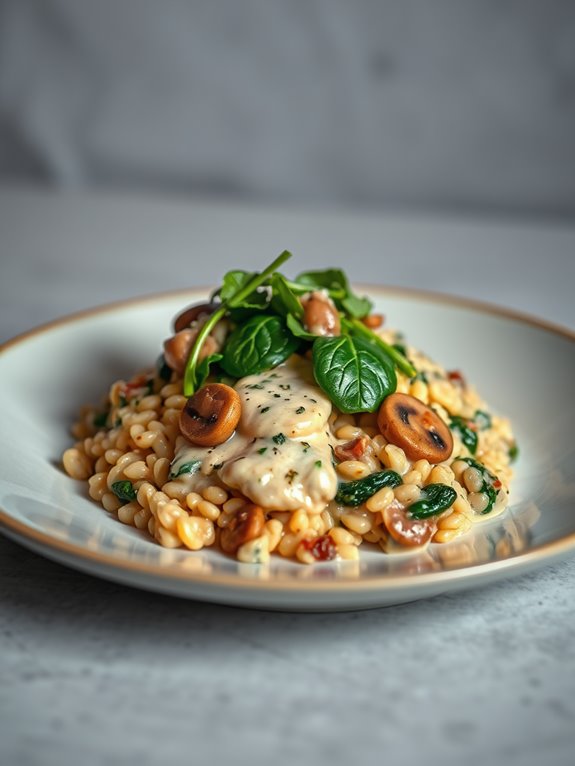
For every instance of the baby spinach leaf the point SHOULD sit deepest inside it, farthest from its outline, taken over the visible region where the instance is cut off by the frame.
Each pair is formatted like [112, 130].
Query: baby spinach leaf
[338, 287]
[124, 490]
[356, 492]
[355, 306]
[468, 435]
[203, 369]
[232, 282]
[261, 343]
[298, 329]
[354, 373]
[489, 481]
[436, 499]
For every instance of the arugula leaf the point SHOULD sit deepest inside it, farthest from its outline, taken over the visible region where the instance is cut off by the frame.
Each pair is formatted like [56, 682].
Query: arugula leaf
[354, 373]
[261, 343]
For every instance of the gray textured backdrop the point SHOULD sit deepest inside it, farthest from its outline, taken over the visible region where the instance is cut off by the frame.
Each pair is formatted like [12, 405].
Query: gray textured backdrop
[440, 103]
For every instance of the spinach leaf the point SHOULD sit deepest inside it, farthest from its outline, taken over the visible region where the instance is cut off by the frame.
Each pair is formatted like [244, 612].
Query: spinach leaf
[358, 329]
[235, 297]
[354, 373]
[482, 419]
[296, 327]
[436, 499]
[202, 371]
[357, 492]
[232, 282]
[191, 467]
[124, 490]
[489, 480]
[261, 343]
[468, 435]
[338, 287]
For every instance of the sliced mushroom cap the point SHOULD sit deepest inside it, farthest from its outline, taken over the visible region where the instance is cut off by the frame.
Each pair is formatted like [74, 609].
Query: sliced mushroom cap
[211, 415]
[408, 423]
[189, 315]
[406, 530]
[247, 524]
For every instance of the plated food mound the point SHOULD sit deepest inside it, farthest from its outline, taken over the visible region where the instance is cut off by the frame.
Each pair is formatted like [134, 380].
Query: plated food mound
[283, 417]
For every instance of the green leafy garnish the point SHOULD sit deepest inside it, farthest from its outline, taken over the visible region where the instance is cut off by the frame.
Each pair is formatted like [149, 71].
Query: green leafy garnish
[190, 467]
[488, 482]
[468, 434]
[259, 344]
[356, 492]
[353, 373]
[279, 439]
[124, 490]
[436, 499]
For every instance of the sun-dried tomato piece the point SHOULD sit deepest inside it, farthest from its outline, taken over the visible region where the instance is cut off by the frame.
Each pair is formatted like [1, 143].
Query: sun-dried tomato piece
[322, 548]
[353, 449]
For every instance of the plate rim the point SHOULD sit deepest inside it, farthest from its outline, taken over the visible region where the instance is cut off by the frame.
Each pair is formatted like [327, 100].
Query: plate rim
[58, 549]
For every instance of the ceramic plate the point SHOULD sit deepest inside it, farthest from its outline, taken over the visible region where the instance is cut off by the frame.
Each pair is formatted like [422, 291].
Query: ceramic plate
[523, 368]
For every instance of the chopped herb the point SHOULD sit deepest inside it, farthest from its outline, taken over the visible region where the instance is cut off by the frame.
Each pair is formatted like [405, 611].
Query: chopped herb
[124, 490]
[265, 409]
[482, 419]
[436, 499]
[279, 438]
[300, 411]
[277, 396]
[313, 400]
[191, 467]
[306, 446]
[262, 450]
[318, 463]
[285, 386]
[257, 386]
[290, 475]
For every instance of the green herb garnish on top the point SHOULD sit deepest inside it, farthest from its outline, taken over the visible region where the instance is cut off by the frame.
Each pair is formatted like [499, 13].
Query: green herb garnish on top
[272, 317]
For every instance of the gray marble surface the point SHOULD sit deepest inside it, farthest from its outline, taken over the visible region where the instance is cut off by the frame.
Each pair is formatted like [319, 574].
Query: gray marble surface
[92, 672]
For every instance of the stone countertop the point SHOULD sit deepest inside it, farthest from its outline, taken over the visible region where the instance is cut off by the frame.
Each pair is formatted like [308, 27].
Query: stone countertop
[97, 673]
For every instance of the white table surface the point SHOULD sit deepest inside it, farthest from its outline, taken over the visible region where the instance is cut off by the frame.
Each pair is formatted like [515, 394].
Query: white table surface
[93, 672]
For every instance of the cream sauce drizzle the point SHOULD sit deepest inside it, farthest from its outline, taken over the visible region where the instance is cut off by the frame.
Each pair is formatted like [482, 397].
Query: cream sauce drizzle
[280, 455]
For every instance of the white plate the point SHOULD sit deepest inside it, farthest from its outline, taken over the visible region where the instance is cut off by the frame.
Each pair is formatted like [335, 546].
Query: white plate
[523, 368]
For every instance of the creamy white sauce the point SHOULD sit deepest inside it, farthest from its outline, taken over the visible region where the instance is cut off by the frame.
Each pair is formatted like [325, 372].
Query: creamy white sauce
[280, 455]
